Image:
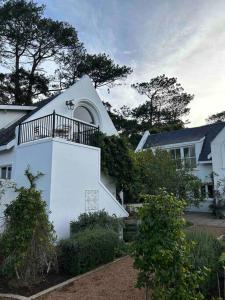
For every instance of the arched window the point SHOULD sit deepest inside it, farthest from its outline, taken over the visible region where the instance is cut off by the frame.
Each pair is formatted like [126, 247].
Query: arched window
[83, 114]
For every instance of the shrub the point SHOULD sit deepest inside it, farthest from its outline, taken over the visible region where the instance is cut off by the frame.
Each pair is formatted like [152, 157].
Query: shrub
[96, 219]
[162, 253]
[206, 253]
[87, 250]
[28, 238]
[130, 232]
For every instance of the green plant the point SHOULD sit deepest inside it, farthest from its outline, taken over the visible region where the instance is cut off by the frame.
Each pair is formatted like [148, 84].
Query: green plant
[116, 160]
[162, 253]
[130, 232]
[206, 252]
[96, 219]
[157, 170]
[87, 250]
[28, 239]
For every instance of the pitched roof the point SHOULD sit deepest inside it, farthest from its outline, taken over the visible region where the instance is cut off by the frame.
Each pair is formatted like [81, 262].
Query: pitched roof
[209, 132]
[8, 134]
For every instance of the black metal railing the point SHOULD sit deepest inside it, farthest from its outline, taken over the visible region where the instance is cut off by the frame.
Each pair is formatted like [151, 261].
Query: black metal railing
[55, 125]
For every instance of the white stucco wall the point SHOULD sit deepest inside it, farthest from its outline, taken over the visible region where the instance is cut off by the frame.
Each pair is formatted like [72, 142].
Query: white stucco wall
[7, 117]
[72, 171]
[109, 183]
[82, 93]
[218, 156]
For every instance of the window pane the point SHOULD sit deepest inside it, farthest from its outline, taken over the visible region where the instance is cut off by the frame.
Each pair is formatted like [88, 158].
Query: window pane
[210, 190]
[83, 114]
[3, 172]
[172, 153]
[203, 191]
[9, 173]
[192, 151]
[186, 152]
[178, 153]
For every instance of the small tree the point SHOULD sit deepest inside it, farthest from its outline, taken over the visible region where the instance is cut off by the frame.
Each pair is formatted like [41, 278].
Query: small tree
[29, 237]
[162, 253]
[156, 170]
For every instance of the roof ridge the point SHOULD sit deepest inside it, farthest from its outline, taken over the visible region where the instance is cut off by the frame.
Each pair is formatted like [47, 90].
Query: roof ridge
[187, 128]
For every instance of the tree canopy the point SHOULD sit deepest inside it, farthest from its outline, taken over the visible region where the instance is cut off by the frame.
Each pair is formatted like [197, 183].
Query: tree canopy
[166, 102]
[100, 67]
[31, 44]
[218, 117]
[164, 109]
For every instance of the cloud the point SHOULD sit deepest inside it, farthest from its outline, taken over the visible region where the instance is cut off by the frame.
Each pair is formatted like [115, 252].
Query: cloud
[185, 39]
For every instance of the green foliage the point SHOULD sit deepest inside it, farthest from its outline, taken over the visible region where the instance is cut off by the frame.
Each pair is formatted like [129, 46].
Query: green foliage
[162, 253]
[116, 160]
[87, 250]
[28, 40]
[166, 102]
[218, 204]
[219, 117]
[28, 238]
[96, 219]
[206, 253]
[27, 36]
[130, 232]
[155, 170]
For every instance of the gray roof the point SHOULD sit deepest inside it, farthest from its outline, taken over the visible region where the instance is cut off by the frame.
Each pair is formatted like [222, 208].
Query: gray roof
[8, 134]
[209, 132]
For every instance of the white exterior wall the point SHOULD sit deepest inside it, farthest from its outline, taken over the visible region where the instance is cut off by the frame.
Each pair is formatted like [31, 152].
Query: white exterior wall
[82, 92]
[8, 117]
[203, 171]
[72, 171]
[109, 184]
[218, 156]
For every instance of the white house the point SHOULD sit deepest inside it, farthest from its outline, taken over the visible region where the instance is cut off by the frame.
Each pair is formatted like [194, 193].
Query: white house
[55, 137]
[202, 148]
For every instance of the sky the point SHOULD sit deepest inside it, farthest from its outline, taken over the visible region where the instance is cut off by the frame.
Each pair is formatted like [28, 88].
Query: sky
[179, 38]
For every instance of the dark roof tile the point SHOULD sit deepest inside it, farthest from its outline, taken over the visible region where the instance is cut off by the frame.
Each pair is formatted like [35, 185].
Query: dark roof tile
[187, 135]
[8, 134]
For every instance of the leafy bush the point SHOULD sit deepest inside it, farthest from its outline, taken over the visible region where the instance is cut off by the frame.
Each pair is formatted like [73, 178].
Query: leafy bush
[130, 232]
[28, 239]
[162, 253]
[96, 219]
[206, 253]
[87, 250]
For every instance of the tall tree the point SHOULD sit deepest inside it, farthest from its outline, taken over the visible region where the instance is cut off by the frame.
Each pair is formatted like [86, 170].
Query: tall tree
[28, 40]
[219, 117]
[166, 102]
[100, 67]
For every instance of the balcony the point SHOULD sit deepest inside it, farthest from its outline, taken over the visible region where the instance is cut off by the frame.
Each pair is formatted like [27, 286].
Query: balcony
[55, 125]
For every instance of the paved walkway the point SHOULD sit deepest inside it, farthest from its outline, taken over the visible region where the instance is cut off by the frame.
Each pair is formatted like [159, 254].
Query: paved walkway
[206, 222]
[205, 219]
[113, 282]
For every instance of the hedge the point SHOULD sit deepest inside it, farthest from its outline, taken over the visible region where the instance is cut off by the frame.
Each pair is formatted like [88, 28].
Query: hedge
[95, 219]
[87, 250]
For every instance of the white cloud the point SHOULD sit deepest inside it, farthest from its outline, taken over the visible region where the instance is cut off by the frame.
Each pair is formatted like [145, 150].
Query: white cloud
[185, 39]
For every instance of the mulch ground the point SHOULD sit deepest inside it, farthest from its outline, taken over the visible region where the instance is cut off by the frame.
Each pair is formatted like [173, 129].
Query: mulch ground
[113, 282]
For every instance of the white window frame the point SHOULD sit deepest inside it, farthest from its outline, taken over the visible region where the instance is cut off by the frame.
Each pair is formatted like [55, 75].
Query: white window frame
[182, 158]
[7, 172]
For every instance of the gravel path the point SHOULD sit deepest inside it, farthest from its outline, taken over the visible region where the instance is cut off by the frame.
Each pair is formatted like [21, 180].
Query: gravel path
[114, 282]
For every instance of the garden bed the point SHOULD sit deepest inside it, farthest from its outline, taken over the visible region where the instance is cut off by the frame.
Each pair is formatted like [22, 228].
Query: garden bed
[51, 280]
[112, 281]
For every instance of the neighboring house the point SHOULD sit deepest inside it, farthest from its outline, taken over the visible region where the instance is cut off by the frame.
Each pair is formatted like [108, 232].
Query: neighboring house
[55, 137]
[201, 148]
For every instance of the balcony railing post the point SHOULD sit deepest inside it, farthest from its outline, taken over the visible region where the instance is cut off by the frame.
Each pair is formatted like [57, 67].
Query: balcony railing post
[19, 132]
[78, 132]
[53, 124]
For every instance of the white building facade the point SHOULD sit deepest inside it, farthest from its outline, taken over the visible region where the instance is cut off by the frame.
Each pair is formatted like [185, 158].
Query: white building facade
[56, 138]
[201, 148]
